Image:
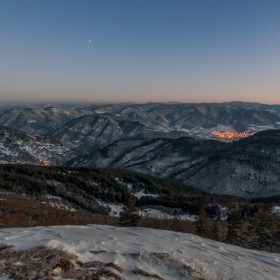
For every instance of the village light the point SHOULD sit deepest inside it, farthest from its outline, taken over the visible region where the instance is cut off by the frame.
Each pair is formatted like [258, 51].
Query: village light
[231, 135]
[44, 162]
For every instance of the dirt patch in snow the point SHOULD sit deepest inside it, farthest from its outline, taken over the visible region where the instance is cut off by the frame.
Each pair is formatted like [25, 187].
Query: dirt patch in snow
[46, 263]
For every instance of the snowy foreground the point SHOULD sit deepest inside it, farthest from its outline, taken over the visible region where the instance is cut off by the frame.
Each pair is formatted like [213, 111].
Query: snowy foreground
[132, 249]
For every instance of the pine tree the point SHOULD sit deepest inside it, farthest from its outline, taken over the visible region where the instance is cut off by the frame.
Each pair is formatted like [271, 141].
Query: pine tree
[202, 223]
[176, 223]
[269, 229]
[129, 216]
[276, 233]
[234, 226]
[263, 228]
[216, 231]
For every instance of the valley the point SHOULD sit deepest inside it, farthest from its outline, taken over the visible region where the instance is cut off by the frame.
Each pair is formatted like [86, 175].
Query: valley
[222, 148]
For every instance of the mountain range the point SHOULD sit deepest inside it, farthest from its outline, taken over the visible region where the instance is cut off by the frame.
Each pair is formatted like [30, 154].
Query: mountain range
[245, 168]
[168, 140]
[103, 124]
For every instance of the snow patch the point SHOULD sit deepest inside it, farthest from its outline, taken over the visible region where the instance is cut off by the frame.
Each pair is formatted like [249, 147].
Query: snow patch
[276, 210]
[48, 196]
[142, 193]
[155, 213]
[148, 212]
[115, 208]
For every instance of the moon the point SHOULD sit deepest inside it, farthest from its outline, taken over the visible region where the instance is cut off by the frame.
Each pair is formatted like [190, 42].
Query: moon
[89, 41]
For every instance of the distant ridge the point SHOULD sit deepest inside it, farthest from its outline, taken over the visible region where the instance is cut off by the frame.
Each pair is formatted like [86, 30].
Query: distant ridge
[245, 168]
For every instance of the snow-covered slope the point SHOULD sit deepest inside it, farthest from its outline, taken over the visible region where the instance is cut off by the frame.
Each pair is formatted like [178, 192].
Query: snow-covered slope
[246, 168]
[23, 148]
[39, 121]
[102, 124]
[134, 248]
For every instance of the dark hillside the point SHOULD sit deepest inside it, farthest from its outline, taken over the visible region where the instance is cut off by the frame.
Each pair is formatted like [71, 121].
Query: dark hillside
[83, 187]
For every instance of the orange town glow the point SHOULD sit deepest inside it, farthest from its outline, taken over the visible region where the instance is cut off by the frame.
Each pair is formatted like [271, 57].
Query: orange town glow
[44, 162]
[231, 135]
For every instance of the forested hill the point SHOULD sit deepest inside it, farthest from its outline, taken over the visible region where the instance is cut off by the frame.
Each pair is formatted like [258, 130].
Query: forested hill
[86, 187]
[246, 168]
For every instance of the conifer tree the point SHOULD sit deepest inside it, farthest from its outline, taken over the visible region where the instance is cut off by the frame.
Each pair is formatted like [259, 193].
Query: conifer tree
[269, 229]
[263, 228]
[129, 216]
[276, 233]
[215, 231]
[234, 226]
[202, 223]
[176, 223]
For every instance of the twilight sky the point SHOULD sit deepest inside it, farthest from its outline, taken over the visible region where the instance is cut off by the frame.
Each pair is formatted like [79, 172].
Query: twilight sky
[139, 50]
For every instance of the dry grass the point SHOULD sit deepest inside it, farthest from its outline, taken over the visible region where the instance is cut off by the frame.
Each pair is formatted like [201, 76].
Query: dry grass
[27, 213]
[166, 224]
[37, 263]
[142, 272]
[45, 263]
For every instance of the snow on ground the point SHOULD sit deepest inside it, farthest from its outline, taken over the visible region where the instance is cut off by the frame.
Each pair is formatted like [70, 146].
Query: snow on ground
[61, 205]
[58, 202]
[55, 183]
[48, 196]
[129, 185]
[142, 193]
[155, 213]
[115, 208]
[276, 210]
[135, 248]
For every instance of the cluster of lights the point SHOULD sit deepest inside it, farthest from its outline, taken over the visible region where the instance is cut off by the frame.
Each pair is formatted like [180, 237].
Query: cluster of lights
[44, 162]
[232, 135]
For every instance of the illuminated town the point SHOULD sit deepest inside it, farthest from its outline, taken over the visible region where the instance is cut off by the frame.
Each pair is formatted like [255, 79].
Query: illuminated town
[44, 162]
[231, 135]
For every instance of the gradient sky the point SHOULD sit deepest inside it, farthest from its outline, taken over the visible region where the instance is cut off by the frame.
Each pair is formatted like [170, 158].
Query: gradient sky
[139, 50]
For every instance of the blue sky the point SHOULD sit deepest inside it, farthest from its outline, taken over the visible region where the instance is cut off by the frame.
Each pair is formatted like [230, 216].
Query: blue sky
[139, 50]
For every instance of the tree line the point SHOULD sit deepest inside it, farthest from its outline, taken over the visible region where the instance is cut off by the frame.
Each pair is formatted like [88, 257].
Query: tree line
[261, 232]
